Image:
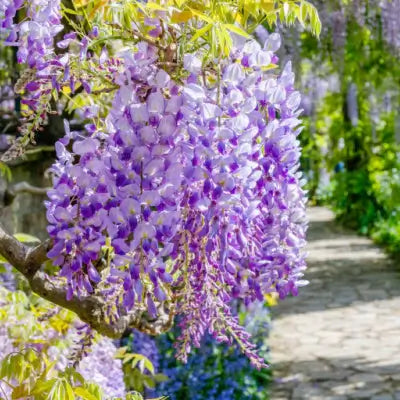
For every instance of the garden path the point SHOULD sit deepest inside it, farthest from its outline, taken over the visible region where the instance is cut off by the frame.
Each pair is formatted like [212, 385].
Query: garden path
[340, 339]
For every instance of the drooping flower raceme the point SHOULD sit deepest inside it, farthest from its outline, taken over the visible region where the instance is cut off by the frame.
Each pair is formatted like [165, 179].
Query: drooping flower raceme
[186, 191]
[244, 227]
[32, 27]
[215, 373]
[34, 36]
[126, 184]
[190, 190]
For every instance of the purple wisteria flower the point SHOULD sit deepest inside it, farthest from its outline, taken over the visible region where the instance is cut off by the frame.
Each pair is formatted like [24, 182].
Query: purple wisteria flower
[101, 366]
[34, 37]
[245, 224]
[186, 192]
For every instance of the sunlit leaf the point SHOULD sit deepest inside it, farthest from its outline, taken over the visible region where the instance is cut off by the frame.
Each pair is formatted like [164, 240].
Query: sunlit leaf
[237, 30]
[201, 32]
[84, 394]
[181, 16]
[20, 392]
[43, 386]
[203, 17]
[5, 171]
[155, 6]
[25, 238]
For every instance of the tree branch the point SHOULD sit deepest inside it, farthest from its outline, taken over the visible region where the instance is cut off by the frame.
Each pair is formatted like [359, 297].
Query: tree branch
[91, 309]
[25, 187]
[22, 187]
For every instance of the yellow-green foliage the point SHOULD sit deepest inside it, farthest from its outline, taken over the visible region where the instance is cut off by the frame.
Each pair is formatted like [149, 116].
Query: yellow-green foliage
[208, 24]
[139, 371]
[189, 26]
[27, 373]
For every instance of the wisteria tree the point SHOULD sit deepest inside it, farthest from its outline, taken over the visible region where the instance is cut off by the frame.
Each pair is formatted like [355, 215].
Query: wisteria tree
[180, 195]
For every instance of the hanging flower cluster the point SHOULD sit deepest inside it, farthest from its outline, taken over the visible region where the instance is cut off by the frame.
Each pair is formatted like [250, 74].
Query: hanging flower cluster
[34, 36]
[192, 188]
[244, 227]
[186, 191]
[32, 26]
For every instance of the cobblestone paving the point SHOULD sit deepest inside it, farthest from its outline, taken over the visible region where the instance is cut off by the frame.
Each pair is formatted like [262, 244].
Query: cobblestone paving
[340, 339]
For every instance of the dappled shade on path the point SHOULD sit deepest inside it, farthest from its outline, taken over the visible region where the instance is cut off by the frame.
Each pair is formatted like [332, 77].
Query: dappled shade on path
[340, 339]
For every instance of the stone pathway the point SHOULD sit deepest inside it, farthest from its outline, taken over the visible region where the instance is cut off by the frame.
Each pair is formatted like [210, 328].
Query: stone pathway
[340, 339]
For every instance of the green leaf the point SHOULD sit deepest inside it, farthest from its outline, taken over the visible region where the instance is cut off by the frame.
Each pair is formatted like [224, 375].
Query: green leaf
[203, 16]
[74, 375]
[160, 378]
[160, 398]
[69, 10]
[236, 29]
[31, 355]
[148, 381]
[69, 392]
[43, 386]
[267, 6]
[57, 391]
[181, 17]
[121, 352]
[315, 22]
[154, 6]
[286, 9]
[134, 396]
[148, 364]
[128, 357]
[303, 13]
[25, 238]
[20, 392]
[5, 171]
[201, 32]
[224, 41]
[84, 394]
[94, 390]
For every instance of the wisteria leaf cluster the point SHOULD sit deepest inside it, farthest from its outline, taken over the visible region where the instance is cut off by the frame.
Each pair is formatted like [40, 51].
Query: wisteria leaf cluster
[30, 331]
[39, 351]
[29, 375]
[207, 22]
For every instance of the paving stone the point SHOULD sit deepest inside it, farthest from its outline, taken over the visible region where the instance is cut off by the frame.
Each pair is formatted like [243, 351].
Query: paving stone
[329, 375]
[383, 397]
[366, 378]
[325, 397]
[277, 395]
[362, 394]
[343, 389]
[335, 398]
[397, 395]
[306, 391]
